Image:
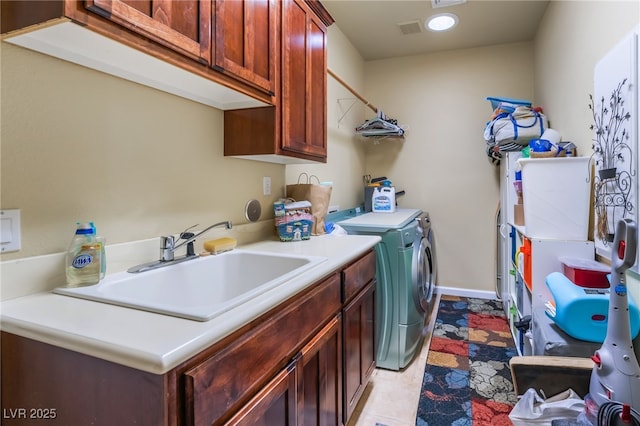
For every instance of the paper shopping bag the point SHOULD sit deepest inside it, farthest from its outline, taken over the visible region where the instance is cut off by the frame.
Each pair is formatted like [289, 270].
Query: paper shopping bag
[318, 195]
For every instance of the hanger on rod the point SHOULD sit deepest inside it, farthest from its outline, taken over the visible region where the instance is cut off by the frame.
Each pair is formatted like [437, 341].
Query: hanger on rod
[381, 125]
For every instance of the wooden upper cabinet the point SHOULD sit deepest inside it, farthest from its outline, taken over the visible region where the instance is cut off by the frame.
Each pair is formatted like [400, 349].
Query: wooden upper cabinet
[246, 41]
[184, 26]
[304, 80]
[294, 130]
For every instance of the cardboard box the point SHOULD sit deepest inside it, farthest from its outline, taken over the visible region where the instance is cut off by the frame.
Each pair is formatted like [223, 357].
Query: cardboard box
[518, 214]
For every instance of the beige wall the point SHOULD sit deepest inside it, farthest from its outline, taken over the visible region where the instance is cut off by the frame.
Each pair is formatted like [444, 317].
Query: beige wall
[442, 163]
[81, 145]
[440, 98]
[565, 57]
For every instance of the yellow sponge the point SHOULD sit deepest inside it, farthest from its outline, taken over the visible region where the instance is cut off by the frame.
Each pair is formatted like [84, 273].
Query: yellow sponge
[220, 245]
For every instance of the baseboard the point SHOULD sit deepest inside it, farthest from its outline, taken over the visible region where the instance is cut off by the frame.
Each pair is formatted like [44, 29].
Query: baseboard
[464, 292]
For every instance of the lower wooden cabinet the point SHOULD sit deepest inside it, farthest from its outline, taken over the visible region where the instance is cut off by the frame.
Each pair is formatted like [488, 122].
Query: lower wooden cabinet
[42, 384]
[221, 384]
[275, 405]
[359, 347]
[320, 374]
[306, 362]
[359, 333]
[306, 392]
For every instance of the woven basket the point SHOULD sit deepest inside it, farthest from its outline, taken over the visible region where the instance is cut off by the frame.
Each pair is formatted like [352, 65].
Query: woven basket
[548, 154]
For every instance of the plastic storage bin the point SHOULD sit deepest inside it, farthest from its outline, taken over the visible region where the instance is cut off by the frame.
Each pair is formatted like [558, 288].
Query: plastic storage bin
[584, 315]
[585, 272]
[495, 102]
[556, 197]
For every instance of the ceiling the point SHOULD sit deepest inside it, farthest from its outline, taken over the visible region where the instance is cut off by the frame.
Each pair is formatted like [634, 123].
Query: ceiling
[372, 25]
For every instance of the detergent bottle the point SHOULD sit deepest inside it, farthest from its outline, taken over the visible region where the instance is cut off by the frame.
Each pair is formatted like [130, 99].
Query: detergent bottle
[383, 199]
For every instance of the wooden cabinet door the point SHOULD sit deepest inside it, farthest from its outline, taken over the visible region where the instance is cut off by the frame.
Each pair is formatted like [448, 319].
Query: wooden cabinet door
[359, 346]
[184, 26]
[320, 378]
[304, 80]
[274, 405]
[219, 385]
[245, 41]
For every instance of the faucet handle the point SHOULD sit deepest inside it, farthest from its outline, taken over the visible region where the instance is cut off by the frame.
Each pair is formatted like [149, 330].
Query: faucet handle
[167, 245]
[167, 242]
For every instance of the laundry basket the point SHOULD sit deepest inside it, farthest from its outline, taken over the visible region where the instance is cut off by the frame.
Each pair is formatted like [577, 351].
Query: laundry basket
[556, 197]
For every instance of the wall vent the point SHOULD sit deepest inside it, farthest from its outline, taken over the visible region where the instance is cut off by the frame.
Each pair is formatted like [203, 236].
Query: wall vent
[446, 3]
[410, 27]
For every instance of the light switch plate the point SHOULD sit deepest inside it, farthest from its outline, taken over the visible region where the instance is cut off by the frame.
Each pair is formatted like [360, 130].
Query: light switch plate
[9, 230]
[266, 185]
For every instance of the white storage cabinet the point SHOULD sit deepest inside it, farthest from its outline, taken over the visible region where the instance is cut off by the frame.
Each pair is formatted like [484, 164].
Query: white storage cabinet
[519, 299]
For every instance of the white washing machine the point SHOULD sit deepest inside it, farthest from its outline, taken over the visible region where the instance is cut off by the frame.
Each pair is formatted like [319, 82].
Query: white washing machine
[406, 281]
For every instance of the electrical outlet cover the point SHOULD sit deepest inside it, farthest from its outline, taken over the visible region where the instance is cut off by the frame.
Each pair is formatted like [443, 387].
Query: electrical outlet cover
[9, 230]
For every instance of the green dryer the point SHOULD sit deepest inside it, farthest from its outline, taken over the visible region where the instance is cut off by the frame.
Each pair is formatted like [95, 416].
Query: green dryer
[405, 276]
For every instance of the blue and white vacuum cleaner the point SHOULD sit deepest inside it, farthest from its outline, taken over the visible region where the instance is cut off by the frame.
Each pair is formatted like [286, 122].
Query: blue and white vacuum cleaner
[616, 374]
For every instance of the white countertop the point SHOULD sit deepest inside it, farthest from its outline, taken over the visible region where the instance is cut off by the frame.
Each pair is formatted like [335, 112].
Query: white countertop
[381, 221]
[157, 343]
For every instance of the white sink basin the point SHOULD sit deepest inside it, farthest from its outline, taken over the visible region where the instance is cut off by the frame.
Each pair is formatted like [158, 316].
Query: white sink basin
[198, 289]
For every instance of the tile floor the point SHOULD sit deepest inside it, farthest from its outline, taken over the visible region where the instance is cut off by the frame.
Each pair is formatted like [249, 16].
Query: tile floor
[391, 397]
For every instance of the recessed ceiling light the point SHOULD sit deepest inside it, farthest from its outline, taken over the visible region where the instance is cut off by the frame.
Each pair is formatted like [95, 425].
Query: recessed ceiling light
[441, 22]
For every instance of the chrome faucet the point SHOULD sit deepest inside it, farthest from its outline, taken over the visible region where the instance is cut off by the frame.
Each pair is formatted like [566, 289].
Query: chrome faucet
[167, 242]
[168, 247]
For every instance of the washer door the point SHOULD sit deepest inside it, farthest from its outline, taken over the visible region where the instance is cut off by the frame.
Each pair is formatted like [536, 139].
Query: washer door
[433, 265]
[423, 274]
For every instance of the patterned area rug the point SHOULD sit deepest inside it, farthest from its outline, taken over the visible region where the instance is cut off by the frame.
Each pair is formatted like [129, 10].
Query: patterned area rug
[467, 380]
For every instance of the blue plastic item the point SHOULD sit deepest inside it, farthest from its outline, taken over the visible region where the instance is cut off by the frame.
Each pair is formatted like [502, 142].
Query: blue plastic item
[540, 145]
[495, 102]
[582, 312]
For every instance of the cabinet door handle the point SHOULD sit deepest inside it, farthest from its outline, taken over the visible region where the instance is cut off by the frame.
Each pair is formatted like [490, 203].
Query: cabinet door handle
[293, 362]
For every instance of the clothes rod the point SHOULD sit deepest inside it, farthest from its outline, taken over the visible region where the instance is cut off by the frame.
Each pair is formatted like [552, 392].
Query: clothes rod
[349, 88]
